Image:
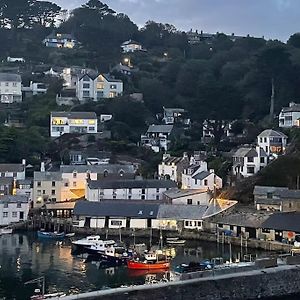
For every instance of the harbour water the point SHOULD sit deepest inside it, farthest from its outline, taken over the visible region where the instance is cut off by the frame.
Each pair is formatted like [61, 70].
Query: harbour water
[23, 257]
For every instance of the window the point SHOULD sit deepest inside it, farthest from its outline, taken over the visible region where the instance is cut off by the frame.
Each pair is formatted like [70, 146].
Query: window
[86, 94]
[5, 205]
[66, 184]
[260, 140]
[121, 173]
[190, 201]
[105, 174]
[74, 174]
[250, 159]
[14, 214]
[53, 192]
[74, 183]
[129, 191]
[143, 191]
[143, 197]
[86, 85]
[157, 197]
[205, 182]
[39, 192]
[91, 128]
[262, 160]
[100, 86]
[265, 140]
[186, 223]
[5, 214]
[220, 225]
[250, 170]
[14, 174]
[100, 94]
[19, 205]
[199, 224]
[53, 183]
[39, 183]
[44, 192]
[115, 223]
[269, 195]
[157, 190]
[113, 86]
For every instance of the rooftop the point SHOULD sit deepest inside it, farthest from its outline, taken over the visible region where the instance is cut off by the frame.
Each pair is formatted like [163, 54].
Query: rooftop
[281, 192]
[60, 36]
[175, 193]
[47, 176]
[13, 199]
[74, 115]
[294, 107]
[11, 168]
[160, 128]
[201, 175]
[10, 77]
[271, 133]
[116, 209]
[131, 183]
[283, 221]
[130, 42]
[110, 168]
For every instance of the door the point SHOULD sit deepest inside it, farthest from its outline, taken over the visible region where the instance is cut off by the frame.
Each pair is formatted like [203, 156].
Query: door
[21, 215]
[87, 222]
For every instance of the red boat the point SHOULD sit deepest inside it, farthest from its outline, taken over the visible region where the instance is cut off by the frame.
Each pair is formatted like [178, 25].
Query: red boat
[140, 265]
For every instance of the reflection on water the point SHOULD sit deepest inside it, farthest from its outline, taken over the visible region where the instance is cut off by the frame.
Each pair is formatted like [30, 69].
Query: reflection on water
[24, 257]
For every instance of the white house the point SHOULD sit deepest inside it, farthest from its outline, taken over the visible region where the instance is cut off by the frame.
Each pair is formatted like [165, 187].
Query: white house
[73, 122]
[16, 171]
[157, 137]
[15, 59]
[35, 88]
[247, 161]
[197, 176]
[273, 142]
[10, 88]
[13, 209]
[98, 86]
[175, 115]
[60, 40]
[128, 189]
[172, 167]
[131, 46]
[290, 116]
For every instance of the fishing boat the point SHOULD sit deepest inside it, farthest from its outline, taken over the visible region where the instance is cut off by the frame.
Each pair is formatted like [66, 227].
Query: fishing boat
[6, 230]
[148, 265]
[193, 267]
[175, 241]
[155, 260]
[51, 235]
[85, 243]
[99, 246]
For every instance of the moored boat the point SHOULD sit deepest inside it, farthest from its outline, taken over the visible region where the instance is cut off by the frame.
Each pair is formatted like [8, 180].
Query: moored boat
[175, 241]
[51, 235]
[85, 243]
[6, 230]
[148, 265]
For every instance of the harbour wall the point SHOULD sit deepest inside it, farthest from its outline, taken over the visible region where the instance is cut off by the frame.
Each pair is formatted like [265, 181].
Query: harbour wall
[254, 284]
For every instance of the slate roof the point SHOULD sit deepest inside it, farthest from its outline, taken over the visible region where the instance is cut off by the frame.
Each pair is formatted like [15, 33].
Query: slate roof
[74, 114]
[60, 36]
[271, 133]
[11, 168]
[110, 168]
[181, 212]
[172, 160]
[245, 152]
[6, 180]
[171, 111]
[131, 183]
[289, 221]
[294, 108]
[93, 75]
[160, 128]
[10, 77]
[13, 199]
[47, 176]
[116, 209]
[129, 42]
[282, 192]
[201, 175]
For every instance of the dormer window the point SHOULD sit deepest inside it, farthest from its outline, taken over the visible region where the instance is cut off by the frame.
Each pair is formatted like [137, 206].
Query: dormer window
[121, 173]
[140, 212]
[105, 173]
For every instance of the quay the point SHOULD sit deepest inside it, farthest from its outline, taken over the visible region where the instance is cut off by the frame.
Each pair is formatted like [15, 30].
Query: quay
[253, 284]
[65, 225]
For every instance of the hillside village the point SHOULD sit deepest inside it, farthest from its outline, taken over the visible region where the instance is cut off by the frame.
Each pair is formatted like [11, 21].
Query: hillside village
[186, 130]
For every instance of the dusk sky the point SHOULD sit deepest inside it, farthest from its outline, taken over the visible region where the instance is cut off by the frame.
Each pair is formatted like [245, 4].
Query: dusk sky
[276, 19]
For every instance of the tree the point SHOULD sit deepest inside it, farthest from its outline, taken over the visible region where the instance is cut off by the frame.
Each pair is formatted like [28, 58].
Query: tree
[44, 12]
[294, 40]
[100, 7]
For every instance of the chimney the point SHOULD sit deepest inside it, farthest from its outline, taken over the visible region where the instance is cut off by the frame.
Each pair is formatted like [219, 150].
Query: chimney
[165, 156]
[42, 166]
[185, 155]
[211, 171]
[24, 162]
[291, 104]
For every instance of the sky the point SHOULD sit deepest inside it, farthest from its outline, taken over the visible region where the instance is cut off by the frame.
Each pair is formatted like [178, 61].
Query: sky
[273, 19]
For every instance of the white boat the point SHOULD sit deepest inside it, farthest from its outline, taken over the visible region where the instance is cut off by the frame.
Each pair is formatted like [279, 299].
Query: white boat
[69, 235]
[101, 246]
[6, 230]
[175, 241]
[86, 242]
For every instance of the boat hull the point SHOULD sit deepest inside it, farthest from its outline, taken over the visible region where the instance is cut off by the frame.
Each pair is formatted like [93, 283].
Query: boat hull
[50, 235]
[6, 231]
[135, 265]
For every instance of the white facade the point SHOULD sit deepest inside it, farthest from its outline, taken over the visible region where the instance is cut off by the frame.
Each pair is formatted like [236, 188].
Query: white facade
[99, 87]
[16, 171]
[248, 161]
[10, 88]
[290, 116]
[189, 197]
[198, 176]
[13, 209]
[73, 122]
[273, 142]
[131, 46]
[36, 88]
[125, 194]
[15, 59]
[60, 40]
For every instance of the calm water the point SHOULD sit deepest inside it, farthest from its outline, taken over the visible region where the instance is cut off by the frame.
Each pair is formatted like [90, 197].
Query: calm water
[24, 257]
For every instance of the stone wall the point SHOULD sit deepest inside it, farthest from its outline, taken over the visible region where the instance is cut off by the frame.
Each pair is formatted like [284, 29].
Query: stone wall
[254, 284]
